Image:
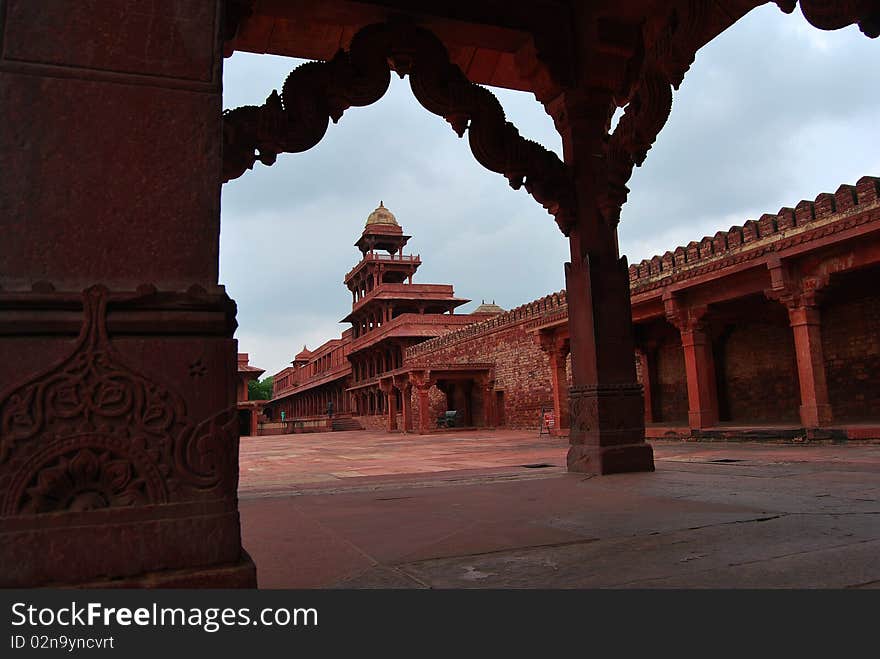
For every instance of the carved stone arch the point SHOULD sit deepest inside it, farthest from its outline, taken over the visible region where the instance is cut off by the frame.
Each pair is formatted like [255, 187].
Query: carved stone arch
[317, 92]
[665, 58]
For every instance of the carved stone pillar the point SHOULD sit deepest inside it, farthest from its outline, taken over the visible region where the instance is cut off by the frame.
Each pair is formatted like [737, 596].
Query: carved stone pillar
[699, 362]
[118, 420]
[422, 383]
[487, 385]
[254, 414]
[800, 295]
[645, 364]
[806, 326]
[557, 349]
[405, 387]
[607, 413]
[387, 387]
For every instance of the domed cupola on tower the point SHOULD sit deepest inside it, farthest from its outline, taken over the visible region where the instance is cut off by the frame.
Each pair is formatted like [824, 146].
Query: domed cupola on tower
[382, 216]
[382, 233]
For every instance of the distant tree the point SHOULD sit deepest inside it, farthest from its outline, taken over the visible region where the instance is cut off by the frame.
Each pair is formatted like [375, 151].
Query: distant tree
[261, 390]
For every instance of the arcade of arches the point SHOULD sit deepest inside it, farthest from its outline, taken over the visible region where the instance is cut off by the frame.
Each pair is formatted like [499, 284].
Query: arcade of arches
[118, 414]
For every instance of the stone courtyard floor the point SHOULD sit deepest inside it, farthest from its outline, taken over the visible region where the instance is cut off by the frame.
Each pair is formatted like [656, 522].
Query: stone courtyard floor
[485, 509]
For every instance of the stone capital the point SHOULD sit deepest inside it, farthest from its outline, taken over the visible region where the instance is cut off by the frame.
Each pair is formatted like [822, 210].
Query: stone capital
[555, 346]
[688, 319]
[402, 382]
[421, 380]
[793, 289]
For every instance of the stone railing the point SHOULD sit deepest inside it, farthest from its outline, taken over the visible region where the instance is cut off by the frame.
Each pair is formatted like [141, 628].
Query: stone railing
[414, 319]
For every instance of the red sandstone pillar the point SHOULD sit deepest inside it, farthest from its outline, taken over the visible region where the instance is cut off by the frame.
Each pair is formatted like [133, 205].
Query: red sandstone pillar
[699, 363]
[488, 387]
[815, 409]
[405, 388]
[557, 349]
[143, 421]
[254, 422]
[423, 409]
[422, 384]
[645, 367]
[560, 387]
[392, 411]
[607, 432]
[699, 367]
[799, 295]
[387, 387]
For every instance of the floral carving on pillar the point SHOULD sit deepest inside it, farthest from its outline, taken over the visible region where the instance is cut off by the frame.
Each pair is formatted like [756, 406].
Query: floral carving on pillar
[91, 432]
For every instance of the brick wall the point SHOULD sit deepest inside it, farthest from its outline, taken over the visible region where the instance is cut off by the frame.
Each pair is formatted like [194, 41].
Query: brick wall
[757, 370]
[522, 369]
[851, 347]
[436, 404]
[373, 421]
[669, 401]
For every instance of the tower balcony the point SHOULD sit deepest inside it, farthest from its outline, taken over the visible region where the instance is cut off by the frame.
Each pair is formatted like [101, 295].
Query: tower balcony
[412, 261]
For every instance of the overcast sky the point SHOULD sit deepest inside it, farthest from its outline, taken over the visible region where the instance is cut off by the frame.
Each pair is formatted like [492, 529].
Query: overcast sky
[773, 111]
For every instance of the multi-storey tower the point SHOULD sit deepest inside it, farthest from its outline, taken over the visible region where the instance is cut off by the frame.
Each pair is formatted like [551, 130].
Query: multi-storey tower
[389, 312]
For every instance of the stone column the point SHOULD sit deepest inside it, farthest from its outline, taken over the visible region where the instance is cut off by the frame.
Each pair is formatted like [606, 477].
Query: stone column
[254, 422]
[127, 435]
[387, 387]
[815, 409]
[424, 409]
[557, 350]
[699, 363]
[488, 386]
[607, 422]
[645, 365]
[403, 384]
[800, 294]
[422, 383]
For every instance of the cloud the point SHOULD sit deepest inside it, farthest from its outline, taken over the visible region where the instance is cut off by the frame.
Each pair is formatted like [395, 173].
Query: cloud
[772, 111]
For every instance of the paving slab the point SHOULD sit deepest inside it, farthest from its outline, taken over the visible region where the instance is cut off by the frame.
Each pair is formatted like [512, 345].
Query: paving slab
[461, 510]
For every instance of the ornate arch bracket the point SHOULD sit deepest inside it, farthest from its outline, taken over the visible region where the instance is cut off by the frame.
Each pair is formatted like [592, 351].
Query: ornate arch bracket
[316, 92]
[837, 14]
[666, 61]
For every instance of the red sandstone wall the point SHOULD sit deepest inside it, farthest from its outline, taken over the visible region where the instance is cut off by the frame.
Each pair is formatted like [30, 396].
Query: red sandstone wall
[851, 347]
[437, 404]
[758, 373]
[373, 421]
[669, 399]
[522, 370]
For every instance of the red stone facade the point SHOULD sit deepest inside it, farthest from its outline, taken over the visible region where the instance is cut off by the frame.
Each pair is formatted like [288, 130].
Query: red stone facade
[511, 343]
[249, 411]
[770, 326]
[733, 333]
[337, 386]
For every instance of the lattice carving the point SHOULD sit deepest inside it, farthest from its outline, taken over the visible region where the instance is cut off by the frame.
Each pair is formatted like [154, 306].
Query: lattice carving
[318, 92]
[91, 432]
